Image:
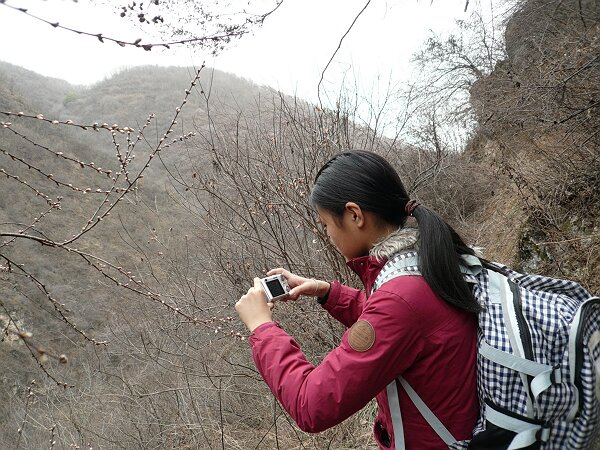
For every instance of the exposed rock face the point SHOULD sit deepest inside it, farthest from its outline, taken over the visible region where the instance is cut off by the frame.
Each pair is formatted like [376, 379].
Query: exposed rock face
[539, 116]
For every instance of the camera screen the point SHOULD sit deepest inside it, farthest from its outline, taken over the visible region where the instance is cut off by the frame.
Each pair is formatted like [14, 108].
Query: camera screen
[275, 288]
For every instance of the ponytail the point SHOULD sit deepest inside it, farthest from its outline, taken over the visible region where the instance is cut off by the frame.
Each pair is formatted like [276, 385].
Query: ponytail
[440, 248]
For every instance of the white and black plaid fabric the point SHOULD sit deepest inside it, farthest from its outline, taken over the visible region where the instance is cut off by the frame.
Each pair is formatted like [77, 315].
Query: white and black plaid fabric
[549, 306]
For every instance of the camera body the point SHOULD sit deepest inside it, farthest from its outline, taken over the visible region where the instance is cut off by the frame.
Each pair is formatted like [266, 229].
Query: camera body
[276, 287]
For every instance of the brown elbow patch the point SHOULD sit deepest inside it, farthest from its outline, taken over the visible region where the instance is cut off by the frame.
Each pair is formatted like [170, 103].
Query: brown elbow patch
[361, 336]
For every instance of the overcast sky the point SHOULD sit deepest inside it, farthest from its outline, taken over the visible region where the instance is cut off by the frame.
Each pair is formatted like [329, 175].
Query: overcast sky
[288, 53]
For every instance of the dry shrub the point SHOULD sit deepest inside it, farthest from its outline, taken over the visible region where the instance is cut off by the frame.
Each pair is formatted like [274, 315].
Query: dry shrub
[540, 109]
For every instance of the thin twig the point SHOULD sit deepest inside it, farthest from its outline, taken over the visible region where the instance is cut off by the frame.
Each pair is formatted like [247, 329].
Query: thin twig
[335, 52]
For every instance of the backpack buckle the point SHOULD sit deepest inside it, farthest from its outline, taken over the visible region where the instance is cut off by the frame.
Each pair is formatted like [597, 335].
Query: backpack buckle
[543, 434]
[556, 375]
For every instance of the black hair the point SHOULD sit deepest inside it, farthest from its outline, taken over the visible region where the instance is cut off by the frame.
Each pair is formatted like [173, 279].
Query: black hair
[371, 182]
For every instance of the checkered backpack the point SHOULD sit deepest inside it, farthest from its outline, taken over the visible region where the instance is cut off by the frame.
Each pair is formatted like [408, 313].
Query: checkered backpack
[538, 361]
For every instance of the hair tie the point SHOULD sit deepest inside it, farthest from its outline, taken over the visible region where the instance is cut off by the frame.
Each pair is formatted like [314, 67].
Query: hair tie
[410, 207]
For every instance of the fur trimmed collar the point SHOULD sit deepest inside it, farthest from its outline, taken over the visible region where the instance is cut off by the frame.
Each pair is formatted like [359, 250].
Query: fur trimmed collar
[401, 239]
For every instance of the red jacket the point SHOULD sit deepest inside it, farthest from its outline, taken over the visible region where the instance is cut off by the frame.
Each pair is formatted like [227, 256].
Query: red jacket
[417, 335]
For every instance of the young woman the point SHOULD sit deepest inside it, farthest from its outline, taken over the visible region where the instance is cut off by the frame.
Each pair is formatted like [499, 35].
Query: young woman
[422, 328]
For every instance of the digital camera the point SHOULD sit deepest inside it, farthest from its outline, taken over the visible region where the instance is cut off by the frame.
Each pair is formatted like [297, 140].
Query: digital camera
[275, 286]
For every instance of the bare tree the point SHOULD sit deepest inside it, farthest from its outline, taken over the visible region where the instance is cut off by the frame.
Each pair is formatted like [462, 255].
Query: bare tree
[210, 26]
[450, 64]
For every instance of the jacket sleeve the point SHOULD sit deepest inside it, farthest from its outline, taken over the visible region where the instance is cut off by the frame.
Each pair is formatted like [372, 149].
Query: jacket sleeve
[320, 397]
[345, 304]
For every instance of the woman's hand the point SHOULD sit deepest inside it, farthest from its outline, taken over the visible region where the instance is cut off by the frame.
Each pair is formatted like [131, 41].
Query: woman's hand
[300, 285]
[253, 308]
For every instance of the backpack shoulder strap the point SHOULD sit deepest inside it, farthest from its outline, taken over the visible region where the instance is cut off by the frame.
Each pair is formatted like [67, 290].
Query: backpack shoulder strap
[407, 263]
[428, 415]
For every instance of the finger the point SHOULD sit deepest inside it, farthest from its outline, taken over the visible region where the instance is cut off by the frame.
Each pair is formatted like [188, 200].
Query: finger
[280, 270]
[258, 289]
[271, 305]
[296, 292]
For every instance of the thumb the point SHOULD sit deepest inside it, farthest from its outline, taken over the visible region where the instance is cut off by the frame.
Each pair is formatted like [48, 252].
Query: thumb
[297, 291]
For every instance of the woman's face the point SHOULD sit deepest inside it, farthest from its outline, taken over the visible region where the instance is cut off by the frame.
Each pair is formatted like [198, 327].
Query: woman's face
[344, 234]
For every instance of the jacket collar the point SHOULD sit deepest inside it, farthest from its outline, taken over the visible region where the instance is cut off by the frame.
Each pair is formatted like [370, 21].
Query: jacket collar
[368, 267]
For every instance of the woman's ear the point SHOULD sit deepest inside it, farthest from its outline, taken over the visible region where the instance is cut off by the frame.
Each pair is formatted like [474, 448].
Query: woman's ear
[356, 213]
